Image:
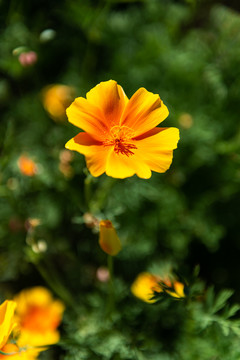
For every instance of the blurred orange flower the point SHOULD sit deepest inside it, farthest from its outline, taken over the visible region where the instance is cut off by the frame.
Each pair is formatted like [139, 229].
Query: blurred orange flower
[56, 98]
[27, 166]
[146, 284]
[108, 238]
[38, 316]
[120, 135]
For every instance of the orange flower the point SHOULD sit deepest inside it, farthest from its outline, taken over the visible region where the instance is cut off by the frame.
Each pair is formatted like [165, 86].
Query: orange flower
[38, 315]
[146, 284]
[121, 137]
[108, 238]
[56, 98]
[27, 166]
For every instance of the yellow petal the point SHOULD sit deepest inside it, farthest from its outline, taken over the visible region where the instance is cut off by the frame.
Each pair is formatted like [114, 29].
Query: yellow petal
[119, 166]
[95, 153]
[111, 99]
[6, 320]
[87, 117]
[179, 289]
[82, 143]
[156, 151]
[108, 238]
[143, 112]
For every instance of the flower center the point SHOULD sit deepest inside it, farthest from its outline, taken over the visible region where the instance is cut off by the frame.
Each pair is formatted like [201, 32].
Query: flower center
[120, 137]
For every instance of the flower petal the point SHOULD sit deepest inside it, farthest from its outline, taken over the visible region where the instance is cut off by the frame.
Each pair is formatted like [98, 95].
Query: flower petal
[121, 166]
[111, 99]
[144, 111]
[81, 143]
[156, 148]
[87, 117]
[6, 320]
[96, 154]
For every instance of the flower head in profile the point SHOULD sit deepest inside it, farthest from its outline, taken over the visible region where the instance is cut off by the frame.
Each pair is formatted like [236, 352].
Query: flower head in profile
[38, 316]
[120, 135]
[146, 285]
[108, 238]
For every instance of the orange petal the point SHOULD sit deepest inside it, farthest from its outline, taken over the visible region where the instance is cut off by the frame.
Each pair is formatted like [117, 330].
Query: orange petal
[144, 111]
[156, 149]
[87, 117]
[111, 99]
[82, 143]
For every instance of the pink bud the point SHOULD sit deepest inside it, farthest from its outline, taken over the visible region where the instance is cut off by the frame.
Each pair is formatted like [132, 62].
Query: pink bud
[102, 274]
[27, 58]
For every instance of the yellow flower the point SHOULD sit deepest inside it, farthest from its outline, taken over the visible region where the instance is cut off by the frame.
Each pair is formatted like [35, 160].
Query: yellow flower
[27, 166]
[38, 315]
[56, 98]
[108, 238]
[120, 135]
[146, 284]
[6, 321]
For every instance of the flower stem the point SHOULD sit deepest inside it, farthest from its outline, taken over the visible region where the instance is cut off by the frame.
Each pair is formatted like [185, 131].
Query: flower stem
[111, 295]
[88, 190]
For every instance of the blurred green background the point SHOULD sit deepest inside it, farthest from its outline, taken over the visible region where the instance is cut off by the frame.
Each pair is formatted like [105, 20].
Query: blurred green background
[186, 51]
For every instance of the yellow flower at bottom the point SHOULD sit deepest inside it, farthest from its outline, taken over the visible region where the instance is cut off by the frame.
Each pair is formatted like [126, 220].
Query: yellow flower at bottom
[6, 321]
[120, 135]
[146, 284]
[108, 238]
[38, 315]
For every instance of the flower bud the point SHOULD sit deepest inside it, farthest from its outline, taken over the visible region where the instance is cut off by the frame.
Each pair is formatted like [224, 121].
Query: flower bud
[108, 238]
[28, 58]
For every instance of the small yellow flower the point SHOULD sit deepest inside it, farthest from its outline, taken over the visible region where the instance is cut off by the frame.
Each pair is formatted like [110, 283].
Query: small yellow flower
[108, 238]
[27, 166]
[38, 315]
[120, 135]
[6, 321]
[56, 99]
[147, 284]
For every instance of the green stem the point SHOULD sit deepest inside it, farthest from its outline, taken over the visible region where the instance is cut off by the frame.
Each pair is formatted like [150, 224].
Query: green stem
[88, 190]
[55, 284]
[111, 296]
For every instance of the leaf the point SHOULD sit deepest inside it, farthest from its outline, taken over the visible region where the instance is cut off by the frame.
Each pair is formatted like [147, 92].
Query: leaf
[221, 300]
